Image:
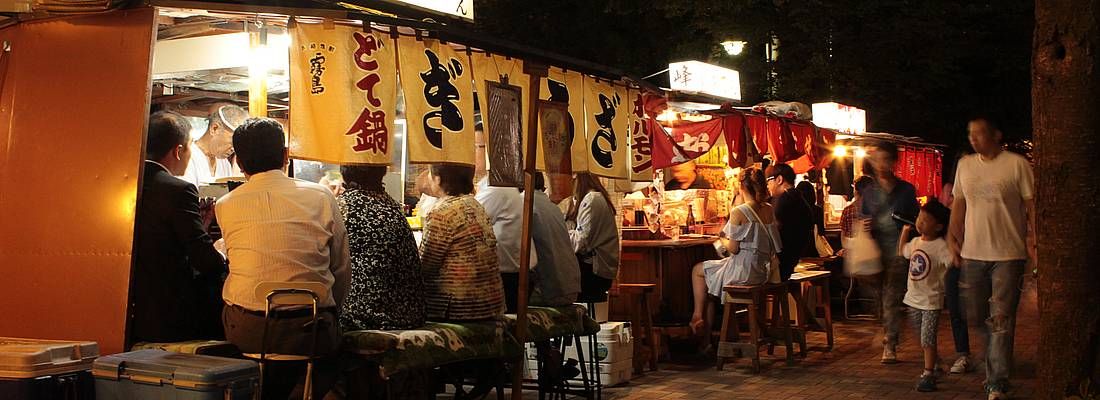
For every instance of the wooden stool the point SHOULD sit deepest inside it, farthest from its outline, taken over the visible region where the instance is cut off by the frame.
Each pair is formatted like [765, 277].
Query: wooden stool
[755, 298]
[810, 290]
[641, 322]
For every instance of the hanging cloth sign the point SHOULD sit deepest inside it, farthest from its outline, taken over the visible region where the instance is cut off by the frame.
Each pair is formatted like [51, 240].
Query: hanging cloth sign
[734, 129]
[758, 132]
[439, 101]
[343, 90]
[641, 149]
[665, 154]
[608, 146]
[567, 87]
[499, 69]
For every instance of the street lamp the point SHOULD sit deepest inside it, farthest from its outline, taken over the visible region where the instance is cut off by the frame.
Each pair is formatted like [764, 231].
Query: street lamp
[733, 47]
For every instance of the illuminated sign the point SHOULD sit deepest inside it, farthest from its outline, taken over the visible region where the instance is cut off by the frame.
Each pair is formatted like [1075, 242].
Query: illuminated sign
[838, 116]
[457, 8]
[700, 77]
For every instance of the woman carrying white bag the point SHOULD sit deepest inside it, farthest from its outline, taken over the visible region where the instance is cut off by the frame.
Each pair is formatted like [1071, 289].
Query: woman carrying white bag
[862, 256]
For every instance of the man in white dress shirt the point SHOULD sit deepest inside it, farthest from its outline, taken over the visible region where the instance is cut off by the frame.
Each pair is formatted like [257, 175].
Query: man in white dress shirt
[279, 229]
[504, 206]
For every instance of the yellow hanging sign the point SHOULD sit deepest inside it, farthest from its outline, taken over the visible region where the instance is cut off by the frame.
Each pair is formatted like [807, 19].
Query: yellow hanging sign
[608, 137]
[494, 68]
[439, 101]
[568, 87]
[343, 90]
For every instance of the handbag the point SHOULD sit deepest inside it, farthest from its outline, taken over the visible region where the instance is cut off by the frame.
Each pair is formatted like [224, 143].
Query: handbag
[773, 265]
[862, 256]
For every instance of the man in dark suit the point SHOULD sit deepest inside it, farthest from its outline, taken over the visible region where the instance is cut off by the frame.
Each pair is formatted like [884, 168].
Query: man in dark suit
[170, 242]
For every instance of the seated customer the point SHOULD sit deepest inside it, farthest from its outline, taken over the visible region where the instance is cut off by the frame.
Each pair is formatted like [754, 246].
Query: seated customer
[279, 229]
[596, 237]
[751, 238]
[504, 206]
[386, 290]
[458, 254]
[557, 277]
[170, 241]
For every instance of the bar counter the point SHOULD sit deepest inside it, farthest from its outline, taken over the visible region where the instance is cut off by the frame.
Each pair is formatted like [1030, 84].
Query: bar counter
[666, 263]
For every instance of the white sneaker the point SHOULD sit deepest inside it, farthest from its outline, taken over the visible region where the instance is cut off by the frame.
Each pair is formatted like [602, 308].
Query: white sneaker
[961, 366]
[997, 395]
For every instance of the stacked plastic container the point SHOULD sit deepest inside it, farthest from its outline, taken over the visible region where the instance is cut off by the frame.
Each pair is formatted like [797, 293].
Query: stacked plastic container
[46, 369]
[158, 374]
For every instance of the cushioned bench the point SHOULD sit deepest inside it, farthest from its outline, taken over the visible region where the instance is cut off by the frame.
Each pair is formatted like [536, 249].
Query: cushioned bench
[433, 345]
[545, 323]
[219, 348]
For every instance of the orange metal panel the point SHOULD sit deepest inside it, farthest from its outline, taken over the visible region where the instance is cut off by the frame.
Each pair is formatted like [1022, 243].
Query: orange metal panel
[73, 110]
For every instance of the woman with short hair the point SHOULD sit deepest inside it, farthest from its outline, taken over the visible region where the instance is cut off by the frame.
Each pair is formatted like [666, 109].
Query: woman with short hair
[458, 253]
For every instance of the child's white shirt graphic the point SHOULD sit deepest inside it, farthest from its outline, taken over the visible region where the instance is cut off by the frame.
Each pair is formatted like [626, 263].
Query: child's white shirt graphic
[928, 263]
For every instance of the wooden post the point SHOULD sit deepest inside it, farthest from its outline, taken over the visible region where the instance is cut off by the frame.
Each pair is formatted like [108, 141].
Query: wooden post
[536, 72]
[1065, 97]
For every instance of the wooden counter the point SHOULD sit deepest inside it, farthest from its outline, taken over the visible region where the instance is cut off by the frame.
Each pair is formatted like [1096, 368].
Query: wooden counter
[668, 264]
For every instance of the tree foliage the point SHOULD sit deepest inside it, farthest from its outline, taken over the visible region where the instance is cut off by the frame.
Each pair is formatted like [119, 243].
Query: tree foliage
[917, 67]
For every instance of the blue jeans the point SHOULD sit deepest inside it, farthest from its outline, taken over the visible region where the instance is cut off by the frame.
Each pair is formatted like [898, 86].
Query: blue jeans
[991, 292]
[895, 280]
[955, 309]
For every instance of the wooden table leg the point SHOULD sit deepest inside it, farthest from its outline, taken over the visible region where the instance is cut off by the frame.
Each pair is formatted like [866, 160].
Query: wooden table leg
[651, 338]
[828, 303]
[785, 320]
[636, 329]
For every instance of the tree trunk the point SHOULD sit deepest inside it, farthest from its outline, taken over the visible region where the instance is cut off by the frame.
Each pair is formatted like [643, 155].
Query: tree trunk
[1066, 114]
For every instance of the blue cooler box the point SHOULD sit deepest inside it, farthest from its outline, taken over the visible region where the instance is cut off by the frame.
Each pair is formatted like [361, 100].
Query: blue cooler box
[46, 369]
[158, 374]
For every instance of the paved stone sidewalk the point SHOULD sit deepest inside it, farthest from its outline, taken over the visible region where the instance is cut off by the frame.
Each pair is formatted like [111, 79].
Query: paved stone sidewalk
[852, 370]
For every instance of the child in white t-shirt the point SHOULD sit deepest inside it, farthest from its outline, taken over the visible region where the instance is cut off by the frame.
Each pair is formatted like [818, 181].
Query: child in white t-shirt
[929, 257]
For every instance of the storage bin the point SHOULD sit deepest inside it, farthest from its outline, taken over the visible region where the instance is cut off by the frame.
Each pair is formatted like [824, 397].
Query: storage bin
[158, 374]
[46, 369]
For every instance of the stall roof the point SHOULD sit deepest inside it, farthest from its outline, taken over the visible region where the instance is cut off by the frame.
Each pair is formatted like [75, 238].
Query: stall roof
[889, 137]
[385, 13]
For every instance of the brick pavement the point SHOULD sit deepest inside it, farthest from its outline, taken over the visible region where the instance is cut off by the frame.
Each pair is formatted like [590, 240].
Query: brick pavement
[851, 371]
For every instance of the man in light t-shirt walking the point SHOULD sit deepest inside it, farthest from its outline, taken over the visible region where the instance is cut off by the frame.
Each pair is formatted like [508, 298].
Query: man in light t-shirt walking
[993, 235]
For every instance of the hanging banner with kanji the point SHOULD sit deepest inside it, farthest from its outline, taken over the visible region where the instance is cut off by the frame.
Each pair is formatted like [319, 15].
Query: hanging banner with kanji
[439, 101]
[343, 90]
[608, 137]
[641, 149]
[504, 70]
[568, 87]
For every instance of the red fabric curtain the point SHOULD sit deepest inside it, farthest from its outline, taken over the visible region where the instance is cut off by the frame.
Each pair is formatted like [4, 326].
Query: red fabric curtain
[735, 131]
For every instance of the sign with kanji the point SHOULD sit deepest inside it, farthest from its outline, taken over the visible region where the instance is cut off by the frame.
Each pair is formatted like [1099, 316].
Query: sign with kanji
[439, 101]
[343, 90]
[567, 87]
[606, 123]
[641, 149]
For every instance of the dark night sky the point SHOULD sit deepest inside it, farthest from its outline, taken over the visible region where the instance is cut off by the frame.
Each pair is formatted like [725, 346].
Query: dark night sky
[919, 68]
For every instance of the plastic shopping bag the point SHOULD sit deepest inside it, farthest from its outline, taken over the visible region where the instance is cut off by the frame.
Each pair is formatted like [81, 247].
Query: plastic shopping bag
[861, 255]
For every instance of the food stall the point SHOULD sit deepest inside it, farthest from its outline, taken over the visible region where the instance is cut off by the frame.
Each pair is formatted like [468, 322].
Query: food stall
[700, 141]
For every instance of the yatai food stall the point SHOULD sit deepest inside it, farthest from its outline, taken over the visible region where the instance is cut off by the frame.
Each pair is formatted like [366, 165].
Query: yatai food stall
[698, 150]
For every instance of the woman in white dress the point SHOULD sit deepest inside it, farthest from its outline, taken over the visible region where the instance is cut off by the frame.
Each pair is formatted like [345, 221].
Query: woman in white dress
[751, 237]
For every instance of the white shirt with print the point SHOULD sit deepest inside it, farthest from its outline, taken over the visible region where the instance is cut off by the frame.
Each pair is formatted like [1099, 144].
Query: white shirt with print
[928, 263]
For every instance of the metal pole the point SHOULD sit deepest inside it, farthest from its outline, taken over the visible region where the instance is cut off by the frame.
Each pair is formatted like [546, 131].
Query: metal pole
[536, 72]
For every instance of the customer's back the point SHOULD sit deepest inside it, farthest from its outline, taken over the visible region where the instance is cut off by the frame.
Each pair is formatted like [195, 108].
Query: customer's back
[281, 229]
[557, 274]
